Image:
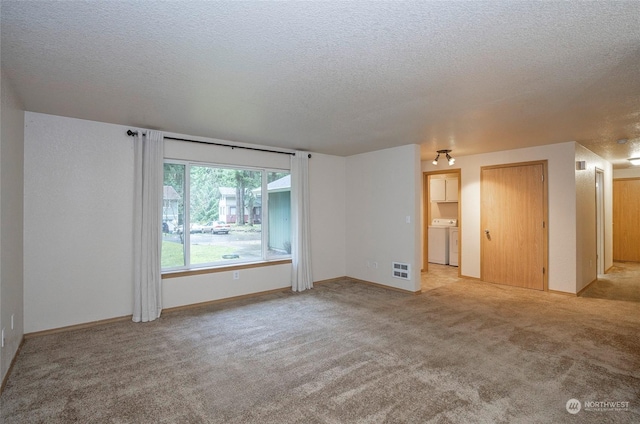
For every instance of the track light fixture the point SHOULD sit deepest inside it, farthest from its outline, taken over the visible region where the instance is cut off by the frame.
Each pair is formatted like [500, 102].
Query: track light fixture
[444, 152]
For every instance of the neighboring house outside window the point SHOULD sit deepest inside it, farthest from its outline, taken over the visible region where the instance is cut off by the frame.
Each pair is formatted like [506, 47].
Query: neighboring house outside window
[280, 214]
[228, 208]
[170, 207]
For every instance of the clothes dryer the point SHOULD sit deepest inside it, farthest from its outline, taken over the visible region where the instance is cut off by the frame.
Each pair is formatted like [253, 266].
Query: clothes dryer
[453, 246]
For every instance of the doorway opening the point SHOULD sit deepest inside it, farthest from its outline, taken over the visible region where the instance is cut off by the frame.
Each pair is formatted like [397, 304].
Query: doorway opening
[620, 282]
[442, 228]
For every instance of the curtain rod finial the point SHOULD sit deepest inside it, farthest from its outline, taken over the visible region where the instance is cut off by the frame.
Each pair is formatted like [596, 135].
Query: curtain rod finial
[130, 133]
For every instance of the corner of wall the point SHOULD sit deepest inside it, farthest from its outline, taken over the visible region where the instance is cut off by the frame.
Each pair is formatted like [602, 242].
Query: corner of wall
[383, 215]
[11, 223]
[328, 181]
[587, 164]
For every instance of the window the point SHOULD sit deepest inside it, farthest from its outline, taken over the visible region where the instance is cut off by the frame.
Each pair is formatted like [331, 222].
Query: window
[214, 215]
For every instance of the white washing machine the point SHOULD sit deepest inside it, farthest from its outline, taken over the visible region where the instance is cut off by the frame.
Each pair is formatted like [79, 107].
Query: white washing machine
[438, 243]
[453, 246]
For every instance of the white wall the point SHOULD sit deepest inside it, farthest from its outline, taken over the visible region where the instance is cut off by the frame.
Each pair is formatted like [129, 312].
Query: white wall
[633, 172]
[11, 218]
[195, 289]
[78, 223]
[586, 241]
[562, 212]
[222, 155]
[327, 181]
[383, 188]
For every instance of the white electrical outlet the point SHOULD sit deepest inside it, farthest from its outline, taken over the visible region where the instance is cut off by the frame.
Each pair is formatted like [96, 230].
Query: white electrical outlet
[236, 275]
[12, 321]
[2, 338]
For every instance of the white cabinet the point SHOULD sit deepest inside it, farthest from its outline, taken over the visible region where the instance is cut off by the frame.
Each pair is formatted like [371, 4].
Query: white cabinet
[451, 190]
[443, 190]
[437, 190]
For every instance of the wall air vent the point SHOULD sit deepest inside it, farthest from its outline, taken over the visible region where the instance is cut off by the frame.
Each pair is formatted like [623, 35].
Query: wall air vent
[400, 270]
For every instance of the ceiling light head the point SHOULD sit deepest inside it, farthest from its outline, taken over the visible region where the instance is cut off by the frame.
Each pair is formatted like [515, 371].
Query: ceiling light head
[450, 159]
[447, 155]
[622, 141]
[635, 161]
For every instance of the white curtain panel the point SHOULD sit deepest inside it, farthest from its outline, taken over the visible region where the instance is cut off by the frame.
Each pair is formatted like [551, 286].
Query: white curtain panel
[301, 278]
[147, 243]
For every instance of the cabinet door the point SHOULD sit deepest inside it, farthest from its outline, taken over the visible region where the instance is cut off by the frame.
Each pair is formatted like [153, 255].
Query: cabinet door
[451, 190]
[437, 190]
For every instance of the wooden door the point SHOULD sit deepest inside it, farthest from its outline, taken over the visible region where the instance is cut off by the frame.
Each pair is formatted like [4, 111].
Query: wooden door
[626, 220]
[513, 215]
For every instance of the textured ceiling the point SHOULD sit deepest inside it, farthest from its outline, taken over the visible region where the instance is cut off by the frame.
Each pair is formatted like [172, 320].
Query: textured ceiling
[338, 77]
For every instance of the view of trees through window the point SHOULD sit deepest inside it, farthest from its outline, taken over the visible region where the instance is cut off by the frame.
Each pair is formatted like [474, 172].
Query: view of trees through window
[228, 220]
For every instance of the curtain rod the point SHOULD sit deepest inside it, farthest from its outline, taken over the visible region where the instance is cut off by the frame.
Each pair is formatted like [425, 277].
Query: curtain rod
[132, 133]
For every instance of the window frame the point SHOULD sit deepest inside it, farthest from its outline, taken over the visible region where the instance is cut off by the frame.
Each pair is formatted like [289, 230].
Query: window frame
[191, 269]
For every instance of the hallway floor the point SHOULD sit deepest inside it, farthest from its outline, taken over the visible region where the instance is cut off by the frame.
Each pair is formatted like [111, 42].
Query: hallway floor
[622, 282]
[438, 276]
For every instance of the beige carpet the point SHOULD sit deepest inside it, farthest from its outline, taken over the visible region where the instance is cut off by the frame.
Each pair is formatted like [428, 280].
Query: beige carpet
[622, 282]
[343, 352]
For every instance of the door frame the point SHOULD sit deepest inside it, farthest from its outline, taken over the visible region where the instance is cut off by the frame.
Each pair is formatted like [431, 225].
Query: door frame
[600, 227]
[426, 215]
[545, 207]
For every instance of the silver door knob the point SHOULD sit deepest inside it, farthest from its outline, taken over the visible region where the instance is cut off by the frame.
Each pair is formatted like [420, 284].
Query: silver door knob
[486, 232]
